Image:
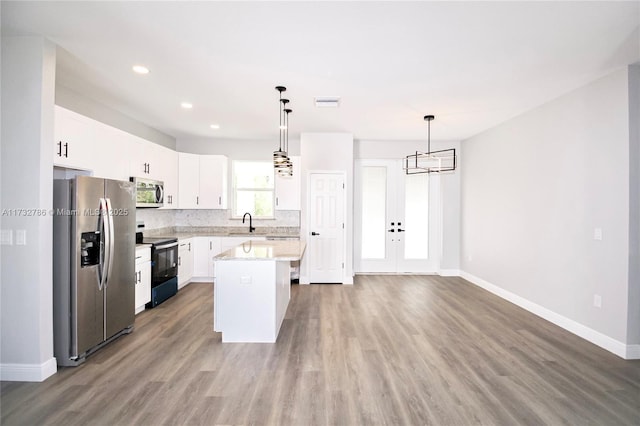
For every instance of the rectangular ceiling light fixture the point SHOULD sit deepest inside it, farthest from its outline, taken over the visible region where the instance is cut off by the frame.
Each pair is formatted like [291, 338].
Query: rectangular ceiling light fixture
[327, 101]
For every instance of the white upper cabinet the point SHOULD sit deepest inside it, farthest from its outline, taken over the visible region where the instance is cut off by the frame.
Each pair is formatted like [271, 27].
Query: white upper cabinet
[111, 148]
[188, 180]
[153, 161]
[202, 181]
[288, 188]
[74, 140]
[213, 181]
[169, 166]
[145, 159]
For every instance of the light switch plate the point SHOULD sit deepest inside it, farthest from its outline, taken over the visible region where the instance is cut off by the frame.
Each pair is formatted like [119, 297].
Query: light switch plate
[6, 237]
[597, 234]
[597, 301]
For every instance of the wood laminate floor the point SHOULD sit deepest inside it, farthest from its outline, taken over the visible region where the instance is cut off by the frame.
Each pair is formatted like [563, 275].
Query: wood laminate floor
[406, 350]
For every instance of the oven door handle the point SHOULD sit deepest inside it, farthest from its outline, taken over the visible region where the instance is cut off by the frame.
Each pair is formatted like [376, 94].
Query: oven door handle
[164, 246]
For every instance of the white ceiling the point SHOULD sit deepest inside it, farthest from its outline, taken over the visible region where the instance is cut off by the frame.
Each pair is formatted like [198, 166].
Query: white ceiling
[471, 64]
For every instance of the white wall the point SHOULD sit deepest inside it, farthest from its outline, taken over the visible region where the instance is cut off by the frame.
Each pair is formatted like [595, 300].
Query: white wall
[76, 102]
[449, 189]
[328, 152]
[28, 87]
[236, 149]
[533, 191]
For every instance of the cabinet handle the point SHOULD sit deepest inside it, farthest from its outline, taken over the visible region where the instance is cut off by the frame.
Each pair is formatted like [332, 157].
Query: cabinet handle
[135, 277]
[210, 247]
[149, 168]
[197, 200]
[276, 201]
[189, 246]
[66, 150]
[60, 149]
[219, 201]
[179, 261]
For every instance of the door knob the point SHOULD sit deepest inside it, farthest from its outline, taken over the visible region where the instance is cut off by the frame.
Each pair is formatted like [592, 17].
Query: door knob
[315, 233]
[400, 230]
[391, 230]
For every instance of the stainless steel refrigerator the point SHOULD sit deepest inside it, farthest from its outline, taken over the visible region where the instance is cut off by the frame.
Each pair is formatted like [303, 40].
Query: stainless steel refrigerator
[93, 264]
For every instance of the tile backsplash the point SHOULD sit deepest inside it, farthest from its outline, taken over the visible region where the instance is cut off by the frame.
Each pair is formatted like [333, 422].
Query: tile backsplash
[157, 219]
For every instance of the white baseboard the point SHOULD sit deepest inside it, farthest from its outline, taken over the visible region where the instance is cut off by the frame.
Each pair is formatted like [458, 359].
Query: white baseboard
[28, 372]
[449, 272]
[347, 280]
[201, 280]
[633, 352]
[304, 280]
[614, 346]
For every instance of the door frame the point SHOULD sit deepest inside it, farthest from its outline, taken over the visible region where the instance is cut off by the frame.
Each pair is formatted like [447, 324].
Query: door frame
[304, 230]
[435, 219]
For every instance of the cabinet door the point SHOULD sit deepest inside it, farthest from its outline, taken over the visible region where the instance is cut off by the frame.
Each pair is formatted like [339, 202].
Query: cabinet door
[201, 256]
[74, 140]
[142, 278]
[185, 262]
[288, 188]
[213, 181]
[214, 249]
[112, 151]
[188, 180]
[169, 167]
[145, 158]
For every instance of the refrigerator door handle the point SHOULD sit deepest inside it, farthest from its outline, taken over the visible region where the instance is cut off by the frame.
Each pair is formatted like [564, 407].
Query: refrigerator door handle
[104, 248]
[111, 241]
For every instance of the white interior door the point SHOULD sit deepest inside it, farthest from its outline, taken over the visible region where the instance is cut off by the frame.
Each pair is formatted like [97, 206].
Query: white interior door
[326, 228]
[397, 230]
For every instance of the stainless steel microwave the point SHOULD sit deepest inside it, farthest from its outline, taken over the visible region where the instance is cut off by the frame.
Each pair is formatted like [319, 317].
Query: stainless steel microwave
[149, 192]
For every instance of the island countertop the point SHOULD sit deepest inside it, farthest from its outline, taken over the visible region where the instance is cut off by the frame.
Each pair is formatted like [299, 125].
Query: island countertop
[265, 250]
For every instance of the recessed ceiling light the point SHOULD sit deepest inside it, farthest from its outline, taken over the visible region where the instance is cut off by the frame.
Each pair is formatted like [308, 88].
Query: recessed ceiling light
[186, 105]
[140, 69]
[215, 126]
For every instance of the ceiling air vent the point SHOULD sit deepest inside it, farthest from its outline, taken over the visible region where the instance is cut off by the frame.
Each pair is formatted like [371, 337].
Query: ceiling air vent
[327, 101]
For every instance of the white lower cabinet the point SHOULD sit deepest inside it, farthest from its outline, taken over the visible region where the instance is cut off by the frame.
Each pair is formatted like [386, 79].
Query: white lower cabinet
[205, 249]
[143, 278]
[185, 261]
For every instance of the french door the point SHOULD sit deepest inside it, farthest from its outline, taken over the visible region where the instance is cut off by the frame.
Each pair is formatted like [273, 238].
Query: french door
[397, 221]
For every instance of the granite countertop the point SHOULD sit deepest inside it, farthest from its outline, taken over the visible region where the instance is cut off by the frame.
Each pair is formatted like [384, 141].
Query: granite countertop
[291, 250]
[224, 231]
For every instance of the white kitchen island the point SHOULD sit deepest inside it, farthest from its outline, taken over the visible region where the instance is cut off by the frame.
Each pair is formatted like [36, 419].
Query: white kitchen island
[252, 288]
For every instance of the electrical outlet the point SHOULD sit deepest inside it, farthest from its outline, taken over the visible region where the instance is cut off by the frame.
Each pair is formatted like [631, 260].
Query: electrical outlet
[21, 237]
[597, 301]
[597, 234]
[6, 237]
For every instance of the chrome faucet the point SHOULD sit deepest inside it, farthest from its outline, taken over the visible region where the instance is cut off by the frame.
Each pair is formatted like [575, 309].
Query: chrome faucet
[251, 228]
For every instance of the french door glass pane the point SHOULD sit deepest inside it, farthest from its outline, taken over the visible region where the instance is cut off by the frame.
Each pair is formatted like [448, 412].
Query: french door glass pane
[416, 237]
[374, 199]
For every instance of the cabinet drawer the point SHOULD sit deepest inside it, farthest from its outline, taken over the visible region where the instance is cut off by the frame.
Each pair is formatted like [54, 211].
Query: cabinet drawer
[143, 254]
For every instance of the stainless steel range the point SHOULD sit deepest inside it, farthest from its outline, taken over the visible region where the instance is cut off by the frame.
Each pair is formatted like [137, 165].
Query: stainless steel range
[164, 268]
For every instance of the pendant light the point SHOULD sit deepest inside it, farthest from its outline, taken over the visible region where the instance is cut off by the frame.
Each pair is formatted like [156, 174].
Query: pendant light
[280, 156]
[430, 161]
[287, 166]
